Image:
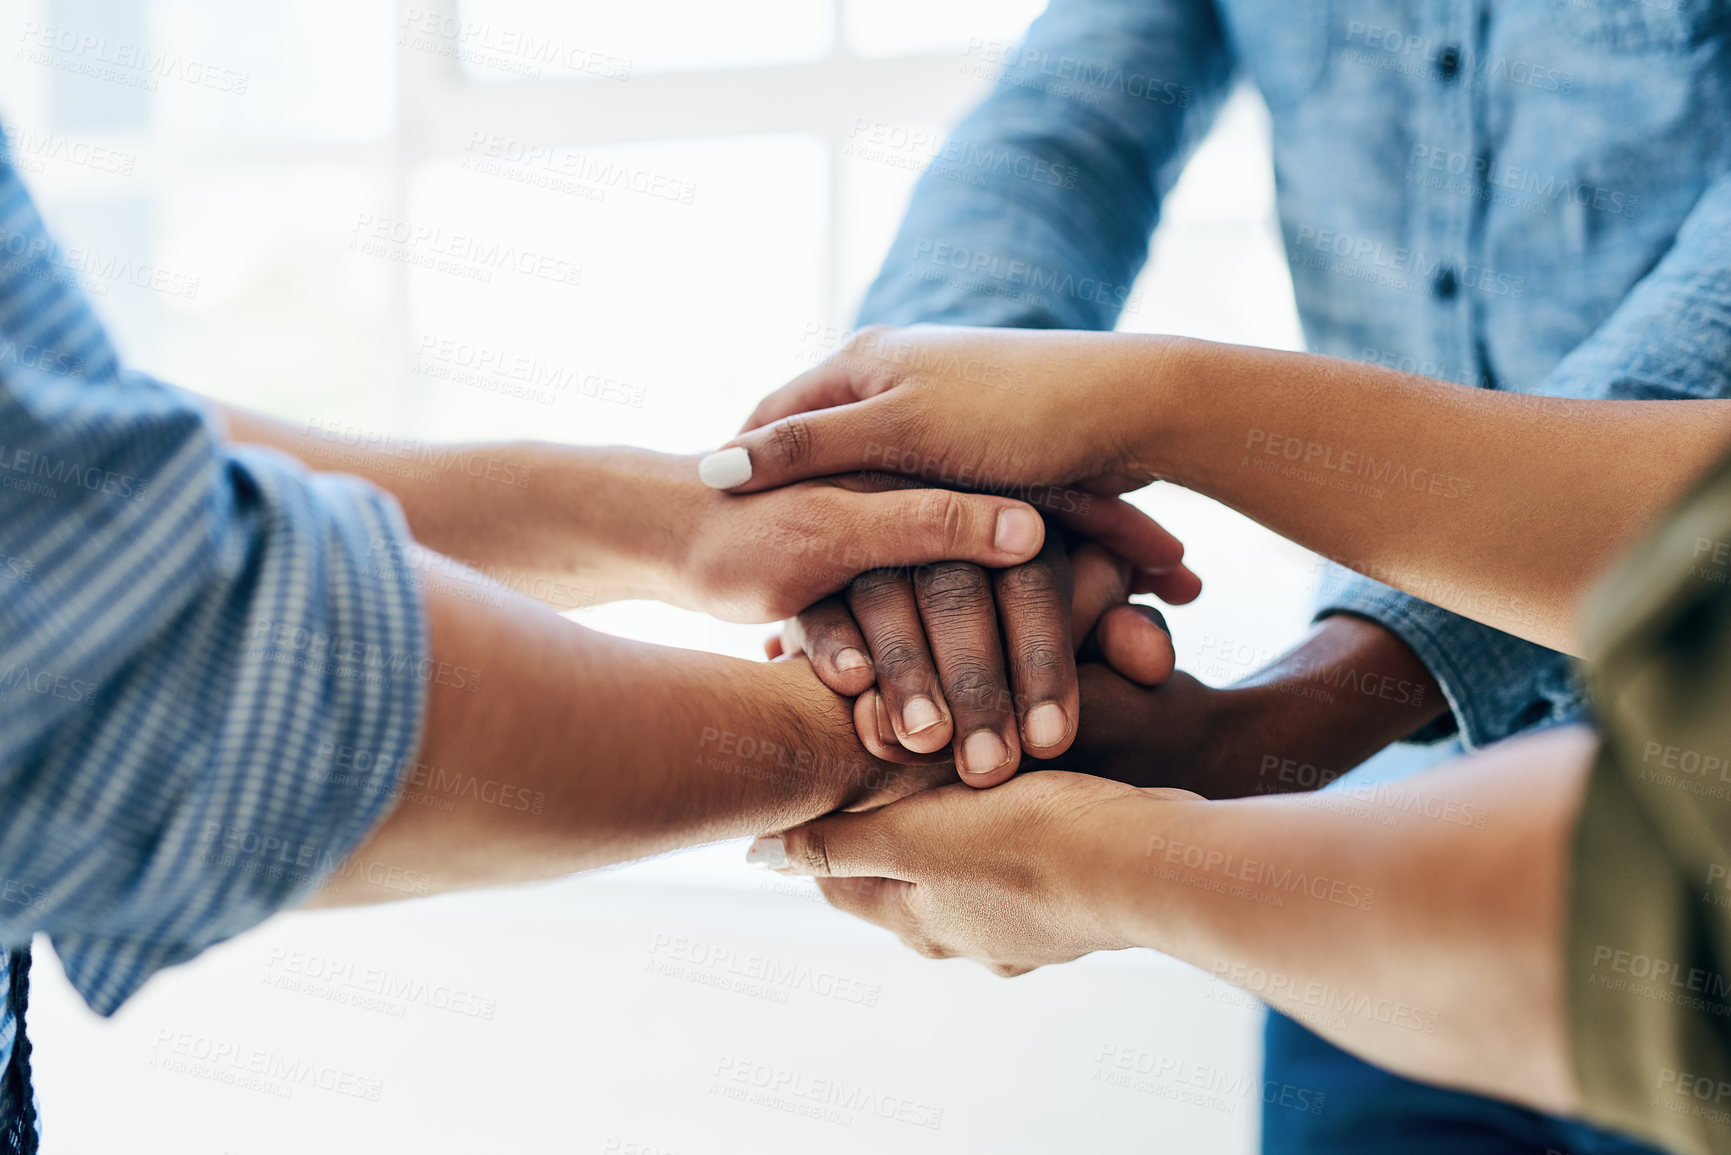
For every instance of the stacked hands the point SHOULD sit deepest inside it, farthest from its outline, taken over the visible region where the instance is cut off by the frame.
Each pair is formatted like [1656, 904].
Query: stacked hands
[1044, 664]
[940, 512]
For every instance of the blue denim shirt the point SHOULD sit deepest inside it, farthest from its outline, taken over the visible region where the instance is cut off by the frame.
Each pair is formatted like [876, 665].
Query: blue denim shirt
[1527, 195]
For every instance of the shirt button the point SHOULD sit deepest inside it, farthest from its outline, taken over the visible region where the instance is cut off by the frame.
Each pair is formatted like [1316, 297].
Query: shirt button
[1448, 63]
[1446, 284]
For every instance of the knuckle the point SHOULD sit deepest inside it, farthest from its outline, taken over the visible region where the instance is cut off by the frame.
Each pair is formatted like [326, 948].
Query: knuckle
[952, 577]
[952, 589]
[1030, 582]
[809, 852]
[792, 441]
[1042, 656]
[825, 623]
[974, 687]
[900, 662]
[877, 593]
[942, 517]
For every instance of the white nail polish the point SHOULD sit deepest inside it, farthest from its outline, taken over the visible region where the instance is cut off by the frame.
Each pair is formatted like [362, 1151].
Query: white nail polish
[725, 468]
[768, 852]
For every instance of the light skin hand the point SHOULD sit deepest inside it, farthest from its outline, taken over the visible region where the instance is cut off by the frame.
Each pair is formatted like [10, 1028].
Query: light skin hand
[1437, 488]
[1001, 877]
[1466, 924]
[579, 526]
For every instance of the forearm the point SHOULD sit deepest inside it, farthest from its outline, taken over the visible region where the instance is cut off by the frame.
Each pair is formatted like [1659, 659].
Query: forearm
[1056, 179]
[1435, 488]
[571, 526]
[1430, 946]
[1346, 692]
[564, 749]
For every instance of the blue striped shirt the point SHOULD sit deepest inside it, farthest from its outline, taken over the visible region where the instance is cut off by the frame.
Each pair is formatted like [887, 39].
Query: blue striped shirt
[189, 634]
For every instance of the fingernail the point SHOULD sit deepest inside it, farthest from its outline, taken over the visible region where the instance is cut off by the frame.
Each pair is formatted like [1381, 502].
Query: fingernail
[920, 714]
[851, 659]
[1046, 725]
[769, 852]
[1018, 531]
[984, 752]
[886, 731]
[725, 468]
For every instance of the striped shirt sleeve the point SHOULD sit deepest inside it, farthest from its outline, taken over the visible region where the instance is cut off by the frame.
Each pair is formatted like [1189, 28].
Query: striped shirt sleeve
[211, 675]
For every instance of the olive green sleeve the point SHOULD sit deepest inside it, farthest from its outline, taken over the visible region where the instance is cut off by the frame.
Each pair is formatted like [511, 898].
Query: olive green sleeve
[1649, 936]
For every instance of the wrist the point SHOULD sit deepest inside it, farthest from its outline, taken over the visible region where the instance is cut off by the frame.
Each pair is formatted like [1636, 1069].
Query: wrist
[1347, 692]
[814, 755]
[1158, 380]
[1117, 867]
[624, 517]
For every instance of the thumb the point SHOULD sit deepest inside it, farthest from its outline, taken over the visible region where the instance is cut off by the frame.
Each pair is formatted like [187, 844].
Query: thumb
[856, 845]
[914, 527]
[1135, 641]
[841, 439]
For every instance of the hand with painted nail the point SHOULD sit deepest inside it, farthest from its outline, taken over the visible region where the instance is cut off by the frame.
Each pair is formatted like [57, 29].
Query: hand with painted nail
[1064, 429]
[1009, 878]
[979, 662]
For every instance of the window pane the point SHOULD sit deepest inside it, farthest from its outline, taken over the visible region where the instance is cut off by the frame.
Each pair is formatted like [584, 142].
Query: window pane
[280, 318]
[605, 39]
[318, 71]
[645, 318]
[625, 300]
[893, 27]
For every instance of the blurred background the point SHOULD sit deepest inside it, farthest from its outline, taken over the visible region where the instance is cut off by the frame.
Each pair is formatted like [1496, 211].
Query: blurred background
[707, 186]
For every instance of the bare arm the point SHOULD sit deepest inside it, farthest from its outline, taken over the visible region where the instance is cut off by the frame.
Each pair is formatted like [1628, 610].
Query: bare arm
[1432, 945]
[1427, 938]
[576, 749]
[1503, 507]
[574, 526]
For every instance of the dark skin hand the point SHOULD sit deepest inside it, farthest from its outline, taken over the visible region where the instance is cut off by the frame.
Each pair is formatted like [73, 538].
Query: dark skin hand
[1292, 727]
[983, 662]
[1347, 691]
